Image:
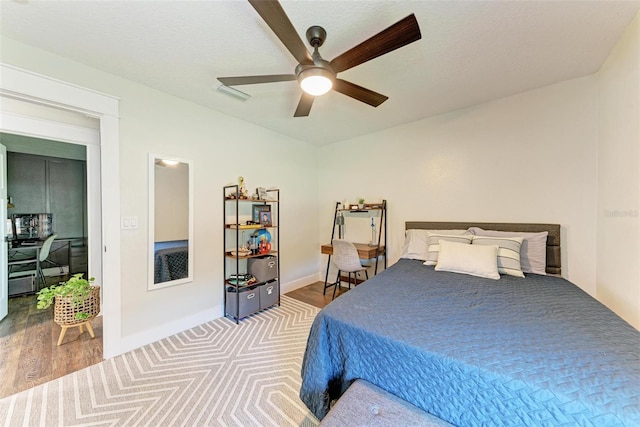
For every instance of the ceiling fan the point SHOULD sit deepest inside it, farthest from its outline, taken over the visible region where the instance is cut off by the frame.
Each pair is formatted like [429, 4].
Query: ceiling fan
[316, 75]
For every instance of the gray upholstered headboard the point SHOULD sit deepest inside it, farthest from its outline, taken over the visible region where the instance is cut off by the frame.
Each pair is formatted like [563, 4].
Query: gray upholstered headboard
[554, 265]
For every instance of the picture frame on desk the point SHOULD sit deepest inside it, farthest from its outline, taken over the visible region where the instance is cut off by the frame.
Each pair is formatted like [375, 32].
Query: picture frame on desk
[255, 212]
[265, 218]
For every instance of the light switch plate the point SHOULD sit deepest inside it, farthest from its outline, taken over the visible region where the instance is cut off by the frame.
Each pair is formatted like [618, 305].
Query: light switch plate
[129, 222]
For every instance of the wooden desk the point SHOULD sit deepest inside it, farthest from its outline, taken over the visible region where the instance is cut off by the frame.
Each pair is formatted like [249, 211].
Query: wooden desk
[24, 260]
[364, 250]
[24, 253]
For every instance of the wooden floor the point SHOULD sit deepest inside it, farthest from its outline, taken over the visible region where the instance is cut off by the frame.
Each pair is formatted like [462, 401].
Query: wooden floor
[312, 294]
[29, 354]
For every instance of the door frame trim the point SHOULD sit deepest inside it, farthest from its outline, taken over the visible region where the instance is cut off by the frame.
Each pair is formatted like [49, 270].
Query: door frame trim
[36, 88]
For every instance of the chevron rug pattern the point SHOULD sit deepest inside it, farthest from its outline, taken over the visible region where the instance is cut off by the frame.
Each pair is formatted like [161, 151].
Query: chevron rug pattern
[216, 374]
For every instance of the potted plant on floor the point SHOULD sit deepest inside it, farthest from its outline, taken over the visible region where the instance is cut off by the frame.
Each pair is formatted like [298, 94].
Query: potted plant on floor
[76, 302]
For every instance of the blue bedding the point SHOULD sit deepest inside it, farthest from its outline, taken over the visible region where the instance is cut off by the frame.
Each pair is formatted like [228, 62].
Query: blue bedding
[473, 351]
[171, 260]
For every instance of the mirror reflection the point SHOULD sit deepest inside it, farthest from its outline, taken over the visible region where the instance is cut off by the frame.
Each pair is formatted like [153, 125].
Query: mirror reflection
[170, 222]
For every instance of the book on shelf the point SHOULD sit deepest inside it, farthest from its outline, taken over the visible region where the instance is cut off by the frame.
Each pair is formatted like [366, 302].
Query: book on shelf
[245, 226]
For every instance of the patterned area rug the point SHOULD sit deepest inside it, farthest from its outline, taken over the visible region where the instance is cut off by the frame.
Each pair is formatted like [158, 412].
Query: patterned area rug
[216, 374]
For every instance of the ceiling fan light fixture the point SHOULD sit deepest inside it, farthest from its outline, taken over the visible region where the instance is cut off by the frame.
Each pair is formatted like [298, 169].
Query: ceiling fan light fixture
[316, 81]
[317, 76]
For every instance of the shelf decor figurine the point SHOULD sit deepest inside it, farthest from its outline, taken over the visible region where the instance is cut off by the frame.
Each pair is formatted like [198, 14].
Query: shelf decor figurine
[244, 194]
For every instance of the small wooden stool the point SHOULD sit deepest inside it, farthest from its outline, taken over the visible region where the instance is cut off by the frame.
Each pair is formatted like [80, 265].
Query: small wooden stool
[79, 325]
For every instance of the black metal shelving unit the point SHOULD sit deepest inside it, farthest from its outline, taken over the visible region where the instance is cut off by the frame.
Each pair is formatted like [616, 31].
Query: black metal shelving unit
[234, 263]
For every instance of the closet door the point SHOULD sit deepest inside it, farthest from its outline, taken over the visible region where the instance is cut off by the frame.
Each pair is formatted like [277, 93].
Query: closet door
[27, 183]
[67, 197]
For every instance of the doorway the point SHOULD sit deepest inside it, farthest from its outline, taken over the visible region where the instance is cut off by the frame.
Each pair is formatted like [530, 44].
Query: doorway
[104, 196]
[46, 196]
[45, 180]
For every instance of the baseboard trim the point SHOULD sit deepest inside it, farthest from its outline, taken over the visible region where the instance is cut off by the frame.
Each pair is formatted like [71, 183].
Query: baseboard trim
[299, 283]
[131, 342]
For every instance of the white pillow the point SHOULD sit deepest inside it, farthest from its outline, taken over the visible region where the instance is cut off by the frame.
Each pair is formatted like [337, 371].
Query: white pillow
[508, 253]
[434, 240]
[480, 260]
[415, 242]
[533, 254]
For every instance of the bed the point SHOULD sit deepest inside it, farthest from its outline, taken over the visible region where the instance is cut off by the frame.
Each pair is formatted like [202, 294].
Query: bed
[475, 351]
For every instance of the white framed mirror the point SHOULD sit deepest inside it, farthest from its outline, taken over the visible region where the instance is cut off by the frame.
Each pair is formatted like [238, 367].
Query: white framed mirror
[170, 221]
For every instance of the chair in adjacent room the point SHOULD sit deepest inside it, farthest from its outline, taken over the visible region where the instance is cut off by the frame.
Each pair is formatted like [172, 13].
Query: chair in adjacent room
[346, 259]
[43, 254]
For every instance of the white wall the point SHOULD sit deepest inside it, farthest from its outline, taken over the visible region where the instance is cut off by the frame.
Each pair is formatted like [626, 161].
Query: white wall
[526, 158]
[222, 149]
[618, 266]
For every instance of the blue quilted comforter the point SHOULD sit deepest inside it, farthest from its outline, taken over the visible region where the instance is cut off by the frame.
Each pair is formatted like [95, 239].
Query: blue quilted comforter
[472, 351]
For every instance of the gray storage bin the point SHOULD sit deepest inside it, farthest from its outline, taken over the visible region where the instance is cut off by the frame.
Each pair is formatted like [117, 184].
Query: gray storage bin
[269, 294]
[263, 268]
[249, 301]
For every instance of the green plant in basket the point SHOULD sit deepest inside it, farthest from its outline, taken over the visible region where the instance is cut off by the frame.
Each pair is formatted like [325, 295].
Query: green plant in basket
[76, 287]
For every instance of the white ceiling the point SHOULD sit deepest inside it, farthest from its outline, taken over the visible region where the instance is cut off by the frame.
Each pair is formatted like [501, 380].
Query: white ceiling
[470, 52]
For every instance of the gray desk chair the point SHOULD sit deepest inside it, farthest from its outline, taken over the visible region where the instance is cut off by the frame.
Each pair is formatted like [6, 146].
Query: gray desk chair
[43, 254]
[346, 259]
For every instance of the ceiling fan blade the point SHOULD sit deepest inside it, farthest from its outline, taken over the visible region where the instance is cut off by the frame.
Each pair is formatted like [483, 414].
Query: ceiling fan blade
[304, 106]
[358, 92]
[275, 17]
[396, 36]
[249, 80]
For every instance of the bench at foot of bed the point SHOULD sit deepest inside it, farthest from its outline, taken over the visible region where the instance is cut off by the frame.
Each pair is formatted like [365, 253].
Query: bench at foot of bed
[366, 404]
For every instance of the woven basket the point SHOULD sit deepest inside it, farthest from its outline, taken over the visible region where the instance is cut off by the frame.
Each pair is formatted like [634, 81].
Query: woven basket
[64, 311]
